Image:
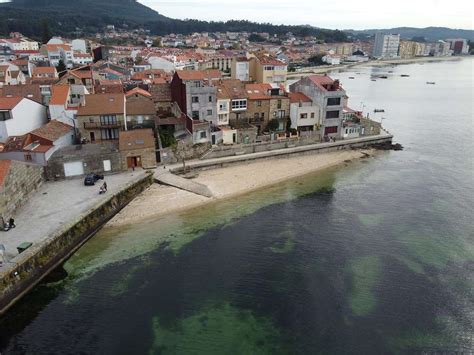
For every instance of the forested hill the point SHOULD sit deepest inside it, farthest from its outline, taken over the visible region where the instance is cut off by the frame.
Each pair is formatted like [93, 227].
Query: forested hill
[75, 17]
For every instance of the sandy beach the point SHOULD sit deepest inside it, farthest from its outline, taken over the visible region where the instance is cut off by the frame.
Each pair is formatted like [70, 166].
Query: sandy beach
[228, 182]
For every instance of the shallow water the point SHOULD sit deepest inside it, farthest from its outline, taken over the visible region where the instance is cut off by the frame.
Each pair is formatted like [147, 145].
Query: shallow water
[374, 257]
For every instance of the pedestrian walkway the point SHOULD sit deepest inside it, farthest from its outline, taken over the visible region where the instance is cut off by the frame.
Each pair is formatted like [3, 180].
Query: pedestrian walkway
[56, 204]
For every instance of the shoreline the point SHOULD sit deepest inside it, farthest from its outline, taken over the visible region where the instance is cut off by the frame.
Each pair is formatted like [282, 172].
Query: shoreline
[228, 182]
[375, 63]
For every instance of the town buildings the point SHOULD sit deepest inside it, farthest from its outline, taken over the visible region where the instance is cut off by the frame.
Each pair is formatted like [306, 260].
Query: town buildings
[386, 45]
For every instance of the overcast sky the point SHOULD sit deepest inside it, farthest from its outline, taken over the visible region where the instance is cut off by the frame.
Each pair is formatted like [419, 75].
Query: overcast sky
[356, 14]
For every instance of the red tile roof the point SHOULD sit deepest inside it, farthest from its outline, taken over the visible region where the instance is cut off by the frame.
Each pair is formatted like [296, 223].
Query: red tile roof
[9, 103]
[324, 82]
[4, 170]
[258, 91]
[52, 131]
[212, 74]
[136, 139]
[138, 91]
[102, 104]
[44, 70]
[60, 95]
[298, 97]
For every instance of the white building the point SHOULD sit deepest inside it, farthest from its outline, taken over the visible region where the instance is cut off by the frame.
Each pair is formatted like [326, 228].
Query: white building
[241, 69]
[304, 114]
[19, 116]
[331, 59]
[386, 45]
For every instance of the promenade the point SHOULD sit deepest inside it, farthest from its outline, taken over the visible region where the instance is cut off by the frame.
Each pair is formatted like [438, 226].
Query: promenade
[56, 204]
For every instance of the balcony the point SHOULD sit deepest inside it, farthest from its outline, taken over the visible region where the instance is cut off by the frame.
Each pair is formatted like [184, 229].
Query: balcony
[98, 125]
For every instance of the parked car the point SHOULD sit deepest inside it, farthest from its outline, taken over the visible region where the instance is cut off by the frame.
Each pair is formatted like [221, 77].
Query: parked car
[91, 179]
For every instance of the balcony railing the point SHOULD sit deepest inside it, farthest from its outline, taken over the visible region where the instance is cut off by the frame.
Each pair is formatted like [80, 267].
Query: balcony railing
[98, 125]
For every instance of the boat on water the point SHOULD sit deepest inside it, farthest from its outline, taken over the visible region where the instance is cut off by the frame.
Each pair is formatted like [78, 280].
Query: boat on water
[374, 80]
[405, 76]
[351, 77]
[377, 110]
[383, 77]
[430, 82]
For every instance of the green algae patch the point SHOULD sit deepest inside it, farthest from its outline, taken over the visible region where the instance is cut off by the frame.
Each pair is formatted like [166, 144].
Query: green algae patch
[365, 275]
[285, 243]
[371, 220]
[436, 250]
[417, 268]
[220, 330]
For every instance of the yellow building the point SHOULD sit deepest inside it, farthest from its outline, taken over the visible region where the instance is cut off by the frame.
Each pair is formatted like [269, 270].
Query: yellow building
[265, 69]
[408, 49]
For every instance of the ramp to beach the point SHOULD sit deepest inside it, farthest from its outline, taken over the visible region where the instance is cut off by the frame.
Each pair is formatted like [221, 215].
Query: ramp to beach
[166, 178]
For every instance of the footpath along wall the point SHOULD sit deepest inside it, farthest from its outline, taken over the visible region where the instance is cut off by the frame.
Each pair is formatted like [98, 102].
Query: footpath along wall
[283, 152]
[31, 266]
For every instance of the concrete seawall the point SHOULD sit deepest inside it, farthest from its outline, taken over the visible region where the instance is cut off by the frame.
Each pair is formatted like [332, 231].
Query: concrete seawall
[30, 267]
[281, 153]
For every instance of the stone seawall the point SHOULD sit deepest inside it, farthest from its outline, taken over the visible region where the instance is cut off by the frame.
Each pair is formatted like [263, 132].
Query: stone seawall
[30, 267]
[282, 153]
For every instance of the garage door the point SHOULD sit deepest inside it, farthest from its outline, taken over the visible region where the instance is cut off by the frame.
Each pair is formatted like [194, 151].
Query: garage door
[73, 168]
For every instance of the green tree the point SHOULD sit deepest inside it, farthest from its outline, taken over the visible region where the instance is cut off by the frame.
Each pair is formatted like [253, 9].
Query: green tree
[273, 125]
[45, 32]
[256, 38]
[316, 59]
[61, 66]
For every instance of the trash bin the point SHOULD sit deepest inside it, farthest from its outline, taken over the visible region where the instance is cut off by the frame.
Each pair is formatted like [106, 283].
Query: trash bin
[23, 246]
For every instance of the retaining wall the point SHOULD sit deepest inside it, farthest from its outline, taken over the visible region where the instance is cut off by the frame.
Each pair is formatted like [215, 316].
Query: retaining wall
[31, 266]
[282, 153]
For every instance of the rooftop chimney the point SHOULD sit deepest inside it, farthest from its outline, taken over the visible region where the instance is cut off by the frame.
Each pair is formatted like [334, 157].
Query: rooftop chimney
[336, 85]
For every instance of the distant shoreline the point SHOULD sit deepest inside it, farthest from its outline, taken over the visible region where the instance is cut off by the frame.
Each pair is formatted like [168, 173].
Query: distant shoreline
[373, 63]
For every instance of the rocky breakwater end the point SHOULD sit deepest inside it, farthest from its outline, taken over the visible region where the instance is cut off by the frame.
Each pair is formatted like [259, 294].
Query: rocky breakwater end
[387, 146]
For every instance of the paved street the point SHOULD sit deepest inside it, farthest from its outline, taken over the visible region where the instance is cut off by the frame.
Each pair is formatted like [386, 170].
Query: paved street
[55, 204]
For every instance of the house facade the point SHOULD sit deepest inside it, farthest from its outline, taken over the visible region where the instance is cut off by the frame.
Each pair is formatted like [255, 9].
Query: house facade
[101, 117]
[19, 116]
[304, 114]
[329, 96]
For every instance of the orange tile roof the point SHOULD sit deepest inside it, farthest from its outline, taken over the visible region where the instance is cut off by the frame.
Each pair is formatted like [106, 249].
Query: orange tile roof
[52, 131]
[199, 74]
[44, 70]
[9, 103]
[298, 97]
[258, 91]
[136, 139]
[4, 170]
[60, 95]
[102, 104]
[138, 91]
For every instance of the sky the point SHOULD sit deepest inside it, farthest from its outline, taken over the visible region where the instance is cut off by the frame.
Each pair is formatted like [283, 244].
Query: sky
[333, 14]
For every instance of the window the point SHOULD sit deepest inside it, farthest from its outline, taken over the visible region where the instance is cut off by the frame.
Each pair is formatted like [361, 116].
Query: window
[334, 101]
[281, 114]
[223, 106]
[279, 104]
[268, 67]
[239, 104]
[196, 84]
[312, 114]
[108, 120]
[5, 115]
[209, 112]
[222, 118]
[259, 103]
[263, 115]
[28, 157]
[109, 134]
[210, 98]
[332, 114]
[330, 130]
[203, 134]
[195, 99]
[195, 115]
[304, 115]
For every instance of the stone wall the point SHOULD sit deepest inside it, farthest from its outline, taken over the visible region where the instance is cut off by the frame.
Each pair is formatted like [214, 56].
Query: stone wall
[147, 157]
[20, 183]
[91, 155]
[172, 155]
[35, 263]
